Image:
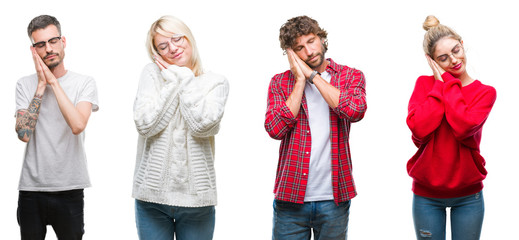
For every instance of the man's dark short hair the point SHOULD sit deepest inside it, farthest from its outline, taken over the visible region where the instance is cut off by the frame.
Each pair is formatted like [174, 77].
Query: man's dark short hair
[41, 22]
[300, 26]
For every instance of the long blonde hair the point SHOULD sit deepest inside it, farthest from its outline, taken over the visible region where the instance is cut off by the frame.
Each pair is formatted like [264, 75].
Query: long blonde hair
[435, 32]
[167, 26]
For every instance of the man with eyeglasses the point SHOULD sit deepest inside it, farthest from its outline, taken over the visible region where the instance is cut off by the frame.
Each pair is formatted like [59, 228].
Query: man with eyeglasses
[310, 109]
[52, 110]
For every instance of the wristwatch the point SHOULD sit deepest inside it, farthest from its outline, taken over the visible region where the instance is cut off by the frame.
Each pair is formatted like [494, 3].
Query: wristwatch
[311, 78]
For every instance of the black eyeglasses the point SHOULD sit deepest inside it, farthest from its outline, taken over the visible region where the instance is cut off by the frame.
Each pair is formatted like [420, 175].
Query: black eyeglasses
[51, 41]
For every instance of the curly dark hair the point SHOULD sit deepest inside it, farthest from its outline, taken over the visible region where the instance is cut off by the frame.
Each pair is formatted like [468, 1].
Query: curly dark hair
[41, 22]
[300, 26]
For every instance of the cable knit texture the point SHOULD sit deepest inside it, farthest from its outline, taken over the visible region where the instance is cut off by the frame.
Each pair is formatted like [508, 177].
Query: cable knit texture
[177, 116]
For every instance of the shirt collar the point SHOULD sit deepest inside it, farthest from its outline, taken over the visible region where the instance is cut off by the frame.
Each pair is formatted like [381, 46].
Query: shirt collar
[332, 66]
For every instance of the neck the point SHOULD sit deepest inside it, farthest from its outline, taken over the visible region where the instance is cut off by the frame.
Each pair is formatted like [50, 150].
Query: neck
[59, 71]
[465, 79]
[323, 66]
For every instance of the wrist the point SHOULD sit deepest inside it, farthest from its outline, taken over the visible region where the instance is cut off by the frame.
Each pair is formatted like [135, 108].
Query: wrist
[40, 89]
[299, 85]
[54, 84]
[312, 76]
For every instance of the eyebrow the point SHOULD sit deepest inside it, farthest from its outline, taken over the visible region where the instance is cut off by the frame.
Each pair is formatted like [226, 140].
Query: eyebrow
[47, 40]
[455, 46]
[162, 44]
[300, 45]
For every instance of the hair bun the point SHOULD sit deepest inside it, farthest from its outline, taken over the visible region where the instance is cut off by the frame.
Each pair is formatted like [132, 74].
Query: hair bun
[430, 22]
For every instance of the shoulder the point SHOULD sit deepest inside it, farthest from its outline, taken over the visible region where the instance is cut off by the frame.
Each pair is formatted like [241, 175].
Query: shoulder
[484, 86]
[212, 77]
[26, 80]
[79, 77]
[150, 71]
[151, 67]
[484, 89]
[345, 70]
[282, 77]
[425, 80]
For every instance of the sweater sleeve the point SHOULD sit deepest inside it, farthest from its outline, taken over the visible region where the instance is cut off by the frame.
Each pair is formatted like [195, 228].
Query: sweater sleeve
[157, 97]
[426, 110]
[466, 115]
[279, 120]
[352, 100]
[202, 103]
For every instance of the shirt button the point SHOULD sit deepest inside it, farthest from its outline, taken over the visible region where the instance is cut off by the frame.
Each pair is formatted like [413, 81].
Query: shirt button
[307, 131]
[306, 152]
[304, 174]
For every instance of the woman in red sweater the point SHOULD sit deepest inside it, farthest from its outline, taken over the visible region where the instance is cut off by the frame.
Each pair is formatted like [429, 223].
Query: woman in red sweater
[446, 116]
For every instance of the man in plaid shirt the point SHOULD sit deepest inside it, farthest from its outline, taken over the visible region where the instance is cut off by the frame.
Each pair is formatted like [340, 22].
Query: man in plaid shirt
[310, 109]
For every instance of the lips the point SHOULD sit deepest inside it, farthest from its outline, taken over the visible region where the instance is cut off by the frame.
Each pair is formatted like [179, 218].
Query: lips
[457, 66]
[51, 56]
[314, 58]
[177, 55]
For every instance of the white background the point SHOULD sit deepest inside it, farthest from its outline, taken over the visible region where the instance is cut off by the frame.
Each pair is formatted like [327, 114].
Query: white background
[239, 39]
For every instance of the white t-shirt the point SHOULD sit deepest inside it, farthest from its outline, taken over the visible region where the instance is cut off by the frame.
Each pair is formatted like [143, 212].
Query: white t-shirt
[54, 157]
[319, 186]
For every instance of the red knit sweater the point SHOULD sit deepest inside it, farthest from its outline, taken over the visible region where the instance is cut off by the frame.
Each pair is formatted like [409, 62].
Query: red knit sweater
[446, 121]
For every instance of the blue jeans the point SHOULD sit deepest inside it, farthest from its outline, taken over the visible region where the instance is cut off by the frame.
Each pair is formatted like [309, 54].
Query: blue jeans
[162, 222]
[295, 221]
[467, 213]
[62, 210]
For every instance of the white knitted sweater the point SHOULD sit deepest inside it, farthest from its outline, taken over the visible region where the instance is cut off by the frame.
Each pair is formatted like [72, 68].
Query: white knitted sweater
[177, 116]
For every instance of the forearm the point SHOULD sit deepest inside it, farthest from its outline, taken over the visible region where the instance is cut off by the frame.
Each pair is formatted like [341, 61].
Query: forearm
[154, 108]
[330, 93]
[466, 115]
[279, 119]
[293, 101]
[76, 119]
[351, 103]
[426, 109]
[202, 104]
[26, 119]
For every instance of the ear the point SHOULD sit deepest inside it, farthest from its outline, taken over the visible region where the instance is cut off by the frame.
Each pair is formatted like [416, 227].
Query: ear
[64, 41]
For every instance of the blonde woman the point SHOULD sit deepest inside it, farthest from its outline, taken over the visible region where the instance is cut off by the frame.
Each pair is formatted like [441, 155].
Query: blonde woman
[446, 116]
[177, 112]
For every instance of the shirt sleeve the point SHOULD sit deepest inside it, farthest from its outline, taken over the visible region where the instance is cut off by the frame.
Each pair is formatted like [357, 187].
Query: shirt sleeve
[352, 100]
[157, 97]
[466, 116]
[202, 103]
[279, 120]
[22, 97]
[426, 110]
[89, 94]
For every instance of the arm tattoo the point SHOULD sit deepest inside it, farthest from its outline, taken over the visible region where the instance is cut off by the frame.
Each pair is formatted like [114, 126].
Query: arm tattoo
[26, 119]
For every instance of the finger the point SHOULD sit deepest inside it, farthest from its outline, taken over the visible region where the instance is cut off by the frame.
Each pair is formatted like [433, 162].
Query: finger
[160, 62]
[305, 69]
[156, 61]
[35, 57]
[290, 56]
[291, 60]
[160, 65]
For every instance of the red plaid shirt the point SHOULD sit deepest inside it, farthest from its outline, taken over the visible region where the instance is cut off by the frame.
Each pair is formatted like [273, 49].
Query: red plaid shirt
[294, 133]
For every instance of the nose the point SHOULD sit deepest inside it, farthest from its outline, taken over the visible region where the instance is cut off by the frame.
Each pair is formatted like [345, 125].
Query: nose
[308, 51]
[48, 48]
[453, 59]
[172, 47]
